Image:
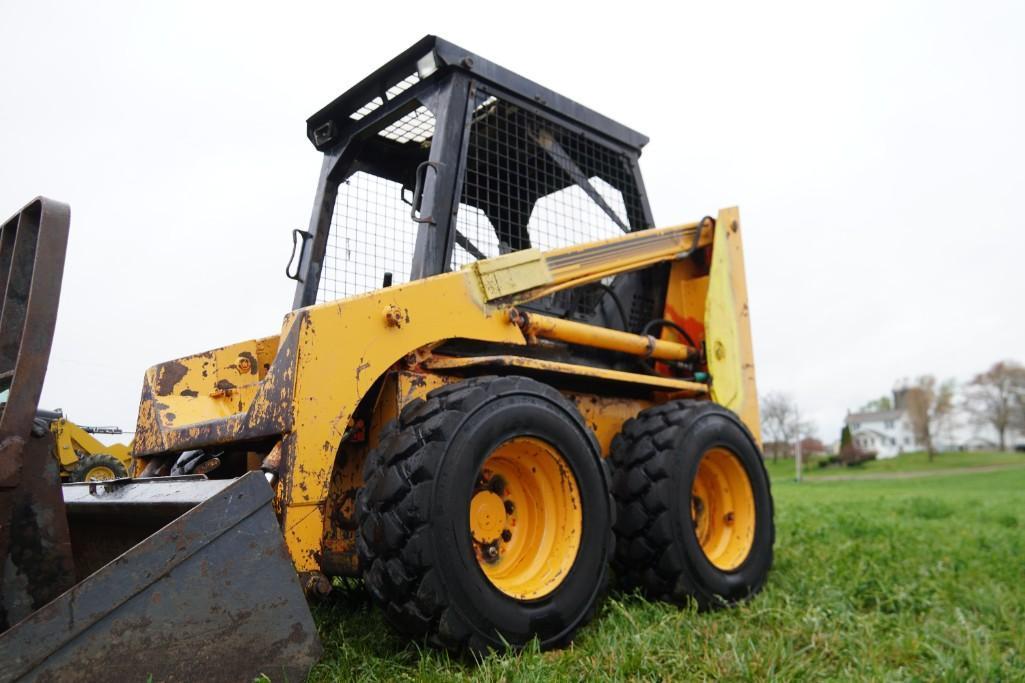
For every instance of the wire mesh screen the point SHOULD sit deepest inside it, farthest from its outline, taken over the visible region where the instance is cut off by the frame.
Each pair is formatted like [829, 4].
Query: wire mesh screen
[371, 234]
[371, 230]
[533, 183]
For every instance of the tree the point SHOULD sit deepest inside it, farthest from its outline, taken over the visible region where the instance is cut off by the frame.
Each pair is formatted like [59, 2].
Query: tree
[879, 405]
[811, 445]
[781, 421]
[993, 398]
[846, 442]
[850, 453]
[929, 406]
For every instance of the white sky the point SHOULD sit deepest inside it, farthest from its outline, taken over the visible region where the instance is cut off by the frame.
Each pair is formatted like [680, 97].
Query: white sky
[876, 151]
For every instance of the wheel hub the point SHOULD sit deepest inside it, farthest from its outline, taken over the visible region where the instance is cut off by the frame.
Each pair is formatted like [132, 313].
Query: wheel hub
[525, 518]
[487, 516]
[722, 509]
[100, 473]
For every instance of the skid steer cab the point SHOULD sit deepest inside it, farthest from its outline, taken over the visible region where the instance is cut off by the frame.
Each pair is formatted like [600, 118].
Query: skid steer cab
[498, 380]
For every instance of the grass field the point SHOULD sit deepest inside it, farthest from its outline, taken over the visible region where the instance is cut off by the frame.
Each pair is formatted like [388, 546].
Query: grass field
[908, 462]
[903, 579]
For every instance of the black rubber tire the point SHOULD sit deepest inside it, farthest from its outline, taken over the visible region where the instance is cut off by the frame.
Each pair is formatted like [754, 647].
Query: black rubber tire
[654, 462]
[89, 462]
[414, 543]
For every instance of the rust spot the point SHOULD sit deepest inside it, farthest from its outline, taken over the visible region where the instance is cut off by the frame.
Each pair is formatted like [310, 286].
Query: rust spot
[168, 375]
[191, 393]
[224, 385]
[247, 362]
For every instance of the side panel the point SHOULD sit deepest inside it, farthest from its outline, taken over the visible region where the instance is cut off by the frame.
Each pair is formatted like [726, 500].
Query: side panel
[605, 415]
[340, 526]
[728, 325]
[343, 348]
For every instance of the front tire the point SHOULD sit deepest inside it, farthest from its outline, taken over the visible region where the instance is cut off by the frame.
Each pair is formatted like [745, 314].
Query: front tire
[695, 512]
[98, 467]
[486, 517]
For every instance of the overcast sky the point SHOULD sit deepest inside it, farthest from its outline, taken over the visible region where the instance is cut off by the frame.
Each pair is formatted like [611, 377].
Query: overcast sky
[876, 151]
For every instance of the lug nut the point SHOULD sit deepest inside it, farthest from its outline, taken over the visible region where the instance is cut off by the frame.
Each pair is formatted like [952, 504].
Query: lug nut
[510, 507]
[506, 535]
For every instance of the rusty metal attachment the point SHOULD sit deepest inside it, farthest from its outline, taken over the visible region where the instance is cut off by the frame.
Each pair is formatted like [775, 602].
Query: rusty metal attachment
[183, 556]
[35, 551]
[192, 556]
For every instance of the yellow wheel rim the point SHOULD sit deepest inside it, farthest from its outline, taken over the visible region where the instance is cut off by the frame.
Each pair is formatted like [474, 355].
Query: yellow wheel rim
[722, 509]
[525, 518]
[99, 473]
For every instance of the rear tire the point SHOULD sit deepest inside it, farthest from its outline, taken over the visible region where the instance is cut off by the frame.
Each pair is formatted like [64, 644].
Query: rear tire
[694, 509]
[456, 517]
[98, 467]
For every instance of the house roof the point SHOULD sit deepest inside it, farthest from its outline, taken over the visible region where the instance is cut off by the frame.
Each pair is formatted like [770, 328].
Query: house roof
[879, 416]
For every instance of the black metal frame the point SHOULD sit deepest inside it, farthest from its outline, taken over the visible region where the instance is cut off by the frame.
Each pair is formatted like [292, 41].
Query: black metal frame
[449, 80]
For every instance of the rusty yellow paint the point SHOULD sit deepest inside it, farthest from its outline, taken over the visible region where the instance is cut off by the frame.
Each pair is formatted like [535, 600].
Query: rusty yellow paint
[605, 415]
[634, 379]
[307, 385]
[212, 384]
[338, 545]
[343, 348]
[728, 326]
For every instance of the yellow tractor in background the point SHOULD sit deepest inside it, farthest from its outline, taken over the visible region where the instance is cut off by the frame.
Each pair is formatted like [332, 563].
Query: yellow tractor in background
[81, 455]
[498, 381]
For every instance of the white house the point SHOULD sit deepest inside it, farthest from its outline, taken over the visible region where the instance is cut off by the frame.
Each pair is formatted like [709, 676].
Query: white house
[887, 432]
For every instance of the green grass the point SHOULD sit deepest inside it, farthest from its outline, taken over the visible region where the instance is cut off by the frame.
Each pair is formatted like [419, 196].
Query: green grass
[905, 579]
[907, 462]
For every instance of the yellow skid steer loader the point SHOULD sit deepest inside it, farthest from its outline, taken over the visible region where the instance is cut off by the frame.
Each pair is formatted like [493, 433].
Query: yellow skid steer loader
[498, 381]
[81, 455]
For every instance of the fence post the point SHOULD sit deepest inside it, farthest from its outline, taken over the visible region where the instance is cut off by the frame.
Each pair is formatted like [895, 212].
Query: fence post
[797, 458]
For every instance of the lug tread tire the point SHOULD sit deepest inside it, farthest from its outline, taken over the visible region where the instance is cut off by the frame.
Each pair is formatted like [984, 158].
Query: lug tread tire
[648, 555]
[394, 512]
[98, 460]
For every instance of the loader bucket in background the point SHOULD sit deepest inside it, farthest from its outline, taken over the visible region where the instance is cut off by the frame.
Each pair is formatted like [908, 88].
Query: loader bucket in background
[210, 596]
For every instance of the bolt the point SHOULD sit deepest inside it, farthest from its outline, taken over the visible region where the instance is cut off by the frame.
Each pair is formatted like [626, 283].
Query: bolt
[491, 552]
[506, 535]
[510, 507]
[393, 316]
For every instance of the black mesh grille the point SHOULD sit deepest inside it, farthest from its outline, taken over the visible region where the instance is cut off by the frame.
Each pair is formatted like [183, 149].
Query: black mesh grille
[371, 229]
[533, 183]
[371, 234]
